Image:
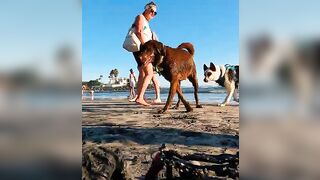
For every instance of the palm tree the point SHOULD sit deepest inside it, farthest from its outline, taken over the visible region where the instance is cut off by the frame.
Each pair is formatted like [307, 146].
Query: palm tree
[111, 74]
[116, 73]
[100, 77]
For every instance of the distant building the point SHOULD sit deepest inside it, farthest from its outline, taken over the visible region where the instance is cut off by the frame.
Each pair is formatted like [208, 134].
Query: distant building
[116, 82]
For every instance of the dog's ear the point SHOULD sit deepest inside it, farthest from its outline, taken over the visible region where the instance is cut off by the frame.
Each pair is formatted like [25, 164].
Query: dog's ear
[212, 67]
[231, 75]
[159, 48]
[205, 67]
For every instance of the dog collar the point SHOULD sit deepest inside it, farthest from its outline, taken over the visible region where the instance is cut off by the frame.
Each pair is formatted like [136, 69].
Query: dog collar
[228, 66]
[157, 69]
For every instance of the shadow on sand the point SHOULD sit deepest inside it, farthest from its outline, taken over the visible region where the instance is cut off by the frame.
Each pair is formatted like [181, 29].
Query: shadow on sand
[152, 136]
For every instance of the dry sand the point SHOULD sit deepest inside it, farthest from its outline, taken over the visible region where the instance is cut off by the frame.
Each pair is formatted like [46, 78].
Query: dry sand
[137, 131]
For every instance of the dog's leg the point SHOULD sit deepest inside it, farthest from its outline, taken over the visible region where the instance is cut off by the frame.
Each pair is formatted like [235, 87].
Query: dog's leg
[185, 103]
[230, 91]
[235, 95]
[194, 81]
[178, 103]
[172, 92]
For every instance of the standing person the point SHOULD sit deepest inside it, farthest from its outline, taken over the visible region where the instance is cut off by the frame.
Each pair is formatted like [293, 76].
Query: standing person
[132, 80]
[92, 93]
[83, 89]
[146, 73]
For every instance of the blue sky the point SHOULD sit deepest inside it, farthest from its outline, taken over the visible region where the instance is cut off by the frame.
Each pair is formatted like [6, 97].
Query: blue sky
[32, 31]
[210, 25]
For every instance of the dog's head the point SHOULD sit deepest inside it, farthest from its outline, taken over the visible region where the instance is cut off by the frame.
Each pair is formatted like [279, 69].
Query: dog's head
[152, 51]
[211, 73]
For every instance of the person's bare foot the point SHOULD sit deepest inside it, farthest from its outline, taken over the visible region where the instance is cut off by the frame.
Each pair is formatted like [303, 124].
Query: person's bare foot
[133, 99]
[142, 102]
[156, 101]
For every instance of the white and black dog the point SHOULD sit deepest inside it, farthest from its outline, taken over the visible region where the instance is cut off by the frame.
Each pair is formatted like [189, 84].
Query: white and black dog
[226, 76]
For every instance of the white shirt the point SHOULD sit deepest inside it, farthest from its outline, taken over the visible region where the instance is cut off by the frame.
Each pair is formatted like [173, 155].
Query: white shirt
[146, 29]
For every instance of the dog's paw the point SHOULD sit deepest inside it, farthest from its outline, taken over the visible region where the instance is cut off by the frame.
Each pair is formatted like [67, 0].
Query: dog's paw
[175, 107]
[161, 111]
[199, 106]
[222, 105]
[189, 109]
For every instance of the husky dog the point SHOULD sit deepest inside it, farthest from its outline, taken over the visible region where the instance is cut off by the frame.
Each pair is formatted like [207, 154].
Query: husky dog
[226, 76]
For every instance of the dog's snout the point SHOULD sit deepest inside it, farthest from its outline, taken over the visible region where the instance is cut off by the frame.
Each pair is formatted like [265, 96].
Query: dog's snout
[205, 80]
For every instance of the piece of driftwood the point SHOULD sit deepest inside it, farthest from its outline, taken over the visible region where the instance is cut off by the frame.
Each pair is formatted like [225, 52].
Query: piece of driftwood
[193, 166]
[101, 163]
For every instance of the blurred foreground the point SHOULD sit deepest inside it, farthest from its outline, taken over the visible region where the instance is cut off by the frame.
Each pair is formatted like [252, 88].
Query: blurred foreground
[280, 59]
[40, 81]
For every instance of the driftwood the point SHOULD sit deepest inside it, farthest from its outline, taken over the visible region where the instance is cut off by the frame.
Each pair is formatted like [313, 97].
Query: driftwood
[101, 163]
[189, 166]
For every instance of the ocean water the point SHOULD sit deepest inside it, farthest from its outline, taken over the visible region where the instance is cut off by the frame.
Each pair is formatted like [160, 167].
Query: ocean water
[206, 95]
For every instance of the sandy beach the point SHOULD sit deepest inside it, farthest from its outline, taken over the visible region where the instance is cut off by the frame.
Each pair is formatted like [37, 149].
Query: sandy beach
[137, 131]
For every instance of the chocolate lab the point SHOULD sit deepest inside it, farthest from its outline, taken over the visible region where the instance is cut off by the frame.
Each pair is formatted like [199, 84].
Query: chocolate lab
[176, 65]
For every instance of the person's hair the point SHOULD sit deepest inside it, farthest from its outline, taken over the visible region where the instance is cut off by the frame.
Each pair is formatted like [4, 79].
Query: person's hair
[149, 5]
[131, 70]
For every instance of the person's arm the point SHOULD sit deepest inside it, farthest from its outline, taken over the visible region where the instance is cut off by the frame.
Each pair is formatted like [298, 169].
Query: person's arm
[134, 78]
[139, 29]
[154, 36]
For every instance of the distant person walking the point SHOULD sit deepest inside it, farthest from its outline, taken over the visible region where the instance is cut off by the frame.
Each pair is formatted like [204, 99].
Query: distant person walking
[132, 81]
[146, 73]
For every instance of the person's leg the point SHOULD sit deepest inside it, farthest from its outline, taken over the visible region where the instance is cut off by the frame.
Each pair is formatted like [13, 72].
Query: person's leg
[129, 97]
[139, 83]
[156, 88]
[131, 92]
[141, 74]
[148, 70]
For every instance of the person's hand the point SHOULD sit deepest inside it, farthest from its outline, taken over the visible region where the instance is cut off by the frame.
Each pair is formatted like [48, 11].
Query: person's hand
[147, 62]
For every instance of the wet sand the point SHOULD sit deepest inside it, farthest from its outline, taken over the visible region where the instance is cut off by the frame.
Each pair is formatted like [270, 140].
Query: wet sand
[137, 131]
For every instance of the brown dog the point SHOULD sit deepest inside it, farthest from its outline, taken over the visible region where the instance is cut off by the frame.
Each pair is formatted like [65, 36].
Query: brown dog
[176, 65]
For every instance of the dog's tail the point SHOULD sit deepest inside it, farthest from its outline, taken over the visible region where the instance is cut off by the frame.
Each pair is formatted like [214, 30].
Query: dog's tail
[188, 47]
